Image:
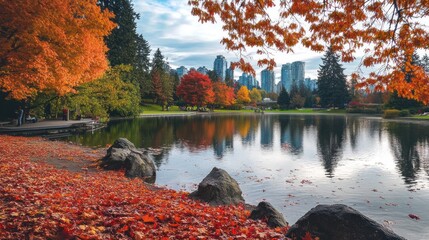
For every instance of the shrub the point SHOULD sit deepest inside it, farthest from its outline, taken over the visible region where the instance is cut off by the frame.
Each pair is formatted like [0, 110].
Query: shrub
[404, 113]
[391, 113]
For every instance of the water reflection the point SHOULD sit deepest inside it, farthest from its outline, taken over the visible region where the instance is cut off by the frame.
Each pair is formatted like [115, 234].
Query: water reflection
[409, 142]
[291, 134]
[410, 148]
[330, 137]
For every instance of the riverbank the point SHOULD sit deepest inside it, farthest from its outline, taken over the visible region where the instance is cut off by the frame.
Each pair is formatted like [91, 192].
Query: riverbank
[53, 189]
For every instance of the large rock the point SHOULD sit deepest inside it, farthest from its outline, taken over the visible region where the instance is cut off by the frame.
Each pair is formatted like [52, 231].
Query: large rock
[218, 188]
[265, 210]
[124, 155]
[339, 222]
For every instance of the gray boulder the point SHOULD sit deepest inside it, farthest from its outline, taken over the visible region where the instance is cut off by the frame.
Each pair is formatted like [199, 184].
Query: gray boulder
[339, 222]
[265, 210]
[218, 188]
[124, 155]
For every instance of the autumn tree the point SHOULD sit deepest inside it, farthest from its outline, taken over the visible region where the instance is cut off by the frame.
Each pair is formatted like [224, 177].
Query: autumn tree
[243, 95]
[162, 81]
[224, 95]
[196, 89]
[255, 96]
[388, 32]
[331, 81]
[51, 46]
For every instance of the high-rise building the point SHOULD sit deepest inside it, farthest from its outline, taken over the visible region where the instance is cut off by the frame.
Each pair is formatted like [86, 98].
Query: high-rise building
[202, 70]
[286, 76]
[298, 72]
[310, 83]
[248, 80]
[267, 80]
[181, 71]
[229, 73]
[220, 65]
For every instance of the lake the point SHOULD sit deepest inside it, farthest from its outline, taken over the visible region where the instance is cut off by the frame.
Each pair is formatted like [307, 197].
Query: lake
[377, 166]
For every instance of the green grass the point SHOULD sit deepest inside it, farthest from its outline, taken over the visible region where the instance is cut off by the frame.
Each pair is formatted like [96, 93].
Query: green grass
[156, 109]
[150, 108]
[421, 117]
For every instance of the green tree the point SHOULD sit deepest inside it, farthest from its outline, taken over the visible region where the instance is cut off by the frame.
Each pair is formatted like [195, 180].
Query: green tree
[110, 95]
[122, 42]
[283, 100]
[331, 81]
[213, 76]
[142, 66]
[162, 81]
[255, 95]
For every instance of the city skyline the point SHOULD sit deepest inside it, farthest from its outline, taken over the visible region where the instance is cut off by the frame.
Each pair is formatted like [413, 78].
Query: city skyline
[184, 41]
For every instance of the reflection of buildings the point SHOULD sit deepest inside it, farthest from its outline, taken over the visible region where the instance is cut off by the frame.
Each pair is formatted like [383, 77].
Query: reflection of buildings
[221, 146]
[291, 134]
[267, 131]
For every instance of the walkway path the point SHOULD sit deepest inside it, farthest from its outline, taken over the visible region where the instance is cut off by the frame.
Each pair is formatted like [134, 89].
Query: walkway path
[45, 125]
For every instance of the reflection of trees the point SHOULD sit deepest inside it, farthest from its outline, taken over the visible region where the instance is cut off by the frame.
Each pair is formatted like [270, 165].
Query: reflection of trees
[291, 133]
[410, 143]
[267, 131]
[354, 128]
[246, 127]
[196, 133]
[330, 137]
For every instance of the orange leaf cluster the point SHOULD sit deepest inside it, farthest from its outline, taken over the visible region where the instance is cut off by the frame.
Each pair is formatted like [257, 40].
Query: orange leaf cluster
[51, 45]
[38, 201]
[389, 32]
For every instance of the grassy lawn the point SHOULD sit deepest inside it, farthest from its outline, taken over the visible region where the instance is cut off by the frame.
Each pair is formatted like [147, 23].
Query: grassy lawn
[150, 108]
[421, 117]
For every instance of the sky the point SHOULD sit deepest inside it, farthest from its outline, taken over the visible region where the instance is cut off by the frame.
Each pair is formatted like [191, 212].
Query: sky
[169, 26]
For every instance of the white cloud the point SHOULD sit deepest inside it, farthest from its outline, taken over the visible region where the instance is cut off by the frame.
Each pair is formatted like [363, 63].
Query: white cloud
[170, 26]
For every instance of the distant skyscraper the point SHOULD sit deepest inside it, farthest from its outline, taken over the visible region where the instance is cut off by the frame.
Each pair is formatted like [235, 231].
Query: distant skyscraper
[267, 80]
[247, 80]
[286, 76]
[203, 70]
[181, 71]
[220, 66]
[298, 72]
[310, 83]
[229, 73]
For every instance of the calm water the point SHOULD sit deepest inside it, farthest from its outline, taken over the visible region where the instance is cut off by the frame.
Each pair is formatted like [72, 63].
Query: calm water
[378, 167]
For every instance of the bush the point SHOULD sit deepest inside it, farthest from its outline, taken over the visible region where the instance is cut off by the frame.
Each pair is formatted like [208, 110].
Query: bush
[391, 113]
[236, 106]
[404, 113]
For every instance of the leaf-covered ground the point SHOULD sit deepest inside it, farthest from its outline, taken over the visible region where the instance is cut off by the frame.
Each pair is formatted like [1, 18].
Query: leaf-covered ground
[47, 191]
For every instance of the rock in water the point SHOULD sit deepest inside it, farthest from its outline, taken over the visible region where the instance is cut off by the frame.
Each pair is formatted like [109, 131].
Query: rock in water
[218, 188]
[123, 154]
[339, 222]
[266, 210]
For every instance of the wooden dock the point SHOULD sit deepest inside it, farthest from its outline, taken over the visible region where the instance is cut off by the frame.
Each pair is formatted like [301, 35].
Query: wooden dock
[49, 126]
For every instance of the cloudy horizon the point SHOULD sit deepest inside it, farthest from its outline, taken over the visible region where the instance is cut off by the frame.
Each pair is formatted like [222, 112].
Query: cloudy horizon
[170, 26]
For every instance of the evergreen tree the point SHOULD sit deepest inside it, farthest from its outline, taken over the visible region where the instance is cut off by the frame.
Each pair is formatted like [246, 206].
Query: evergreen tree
[331, 81]
[283, 100]
[162, 81]
[122, 42]
[213, 76]
[142, 68]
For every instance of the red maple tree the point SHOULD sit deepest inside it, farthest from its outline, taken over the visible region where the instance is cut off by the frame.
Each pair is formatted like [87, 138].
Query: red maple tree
[196, 89]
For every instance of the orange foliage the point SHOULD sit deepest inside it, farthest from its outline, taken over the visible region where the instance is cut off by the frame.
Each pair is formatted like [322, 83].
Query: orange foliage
[243, 95]
[38, 201]
[51, 45]
[388, 31]
[224, 95]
